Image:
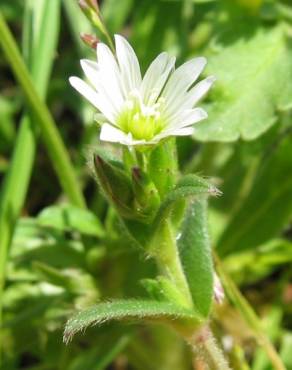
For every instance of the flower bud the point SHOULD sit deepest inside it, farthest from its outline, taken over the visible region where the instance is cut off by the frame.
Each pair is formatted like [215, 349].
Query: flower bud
[116, 185]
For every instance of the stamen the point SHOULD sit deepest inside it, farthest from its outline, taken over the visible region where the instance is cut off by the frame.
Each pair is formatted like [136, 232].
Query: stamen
[140, 120]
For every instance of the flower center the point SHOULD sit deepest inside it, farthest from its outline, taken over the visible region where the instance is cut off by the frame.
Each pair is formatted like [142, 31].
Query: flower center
[142, 121]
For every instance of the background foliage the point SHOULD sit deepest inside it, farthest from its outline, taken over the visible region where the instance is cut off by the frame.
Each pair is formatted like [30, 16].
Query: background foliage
[57, 255]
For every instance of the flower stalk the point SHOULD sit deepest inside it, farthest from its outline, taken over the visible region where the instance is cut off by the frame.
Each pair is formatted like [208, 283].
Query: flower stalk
[91, 10]
[144, 114]
[205, 347]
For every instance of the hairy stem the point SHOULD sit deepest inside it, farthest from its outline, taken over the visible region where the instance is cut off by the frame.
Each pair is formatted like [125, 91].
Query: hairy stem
[205, 347]
[164, 250]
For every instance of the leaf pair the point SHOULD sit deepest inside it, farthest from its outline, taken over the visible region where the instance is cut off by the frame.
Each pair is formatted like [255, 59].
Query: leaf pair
[183, 297]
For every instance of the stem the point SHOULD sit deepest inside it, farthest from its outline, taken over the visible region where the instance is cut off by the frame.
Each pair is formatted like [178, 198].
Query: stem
[108, 37]
[249, 315]
[204, 346]
[50, 134]
[164, 250]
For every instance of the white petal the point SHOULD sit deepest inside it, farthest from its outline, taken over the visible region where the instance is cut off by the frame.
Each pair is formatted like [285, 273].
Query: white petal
[176, 132]
[183, 131]
[84, 89]
[128, 63]
[187, 118]
[93, 97]
[90, 70]
[156, 76]
[199, 91]
[109, 72]
[98, 79]
[180, 81]
[114, 135]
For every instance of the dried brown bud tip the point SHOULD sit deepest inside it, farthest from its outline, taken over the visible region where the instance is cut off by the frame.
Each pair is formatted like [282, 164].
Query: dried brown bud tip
[89, 40]
[83, 4]
[136, 172]
[89, 4]
[93, 4]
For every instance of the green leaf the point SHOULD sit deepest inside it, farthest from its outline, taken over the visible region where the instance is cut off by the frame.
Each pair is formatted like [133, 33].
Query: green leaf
[7, 130]
[69, 217]
[253, 82]
[195, 254]
[101, 356]
[267, 208]
[253, 265]
[73, 281]
[127, 309]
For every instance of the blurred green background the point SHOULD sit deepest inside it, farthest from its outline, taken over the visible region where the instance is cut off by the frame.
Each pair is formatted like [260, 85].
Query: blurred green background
[56, 256]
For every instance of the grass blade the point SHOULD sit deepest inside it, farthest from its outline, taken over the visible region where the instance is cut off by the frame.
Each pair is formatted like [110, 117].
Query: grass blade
[15, 185]
[51, 137]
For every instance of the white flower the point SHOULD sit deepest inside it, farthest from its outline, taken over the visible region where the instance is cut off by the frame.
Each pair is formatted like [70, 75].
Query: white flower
[136, 111]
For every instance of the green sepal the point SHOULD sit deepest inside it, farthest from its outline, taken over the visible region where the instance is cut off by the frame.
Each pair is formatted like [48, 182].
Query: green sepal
[147, 199]
[162, 166]
[116, 185]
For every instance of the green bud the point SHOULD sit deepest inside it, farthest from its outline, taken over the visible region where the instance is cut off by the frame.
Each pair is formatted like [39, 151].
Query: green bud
[147, 199]
[116, 185]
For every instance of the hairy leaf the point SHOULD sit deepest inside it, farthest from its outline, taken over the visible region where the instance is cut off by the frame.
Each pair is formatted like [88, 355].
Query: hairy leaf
[195, 254]
[126, 309]
[188, 186]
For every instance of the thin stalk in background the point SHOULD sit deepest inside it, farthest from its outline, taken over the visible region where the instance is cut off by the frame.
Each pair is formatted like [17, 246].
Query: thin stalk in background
[249, 315]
